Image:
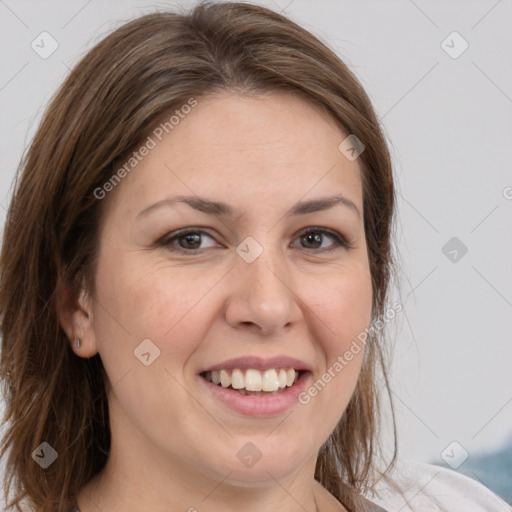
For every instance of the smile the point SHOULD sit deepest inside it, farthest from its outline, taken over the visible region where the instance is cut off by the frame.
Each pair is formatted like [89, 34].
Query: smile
[255, 403]
[252, 381]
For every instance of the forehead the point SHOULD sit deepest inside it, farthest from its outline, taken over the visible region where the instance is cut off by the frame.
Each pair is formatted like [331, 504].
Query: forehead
[255, 150]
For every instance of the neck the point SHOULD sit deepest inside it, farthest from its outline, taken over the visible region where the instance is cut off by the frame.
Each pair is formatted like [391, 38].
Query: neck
[119, 487]
[142, 476]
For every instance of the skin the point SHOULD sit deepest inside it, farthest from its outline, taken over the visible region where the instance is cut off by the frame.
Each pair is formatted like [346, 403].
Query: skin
[174, 445]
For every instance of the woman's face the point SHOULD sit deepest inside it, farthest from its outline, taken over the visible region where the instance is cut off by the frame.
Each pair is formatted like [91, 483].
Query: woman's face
[245, 275]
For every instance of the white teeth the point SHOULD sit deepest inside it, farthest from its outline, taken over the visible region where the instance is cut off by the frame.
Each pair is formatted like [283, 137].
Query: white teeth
[225, 379]
[254, 380]
[237, 379]
[290, 377]
[282, 378]
[270, 381]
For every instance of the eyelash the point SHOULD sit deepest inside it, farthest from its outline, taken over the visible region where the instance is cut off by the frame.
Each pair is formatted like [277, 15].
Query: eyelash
[340, 240]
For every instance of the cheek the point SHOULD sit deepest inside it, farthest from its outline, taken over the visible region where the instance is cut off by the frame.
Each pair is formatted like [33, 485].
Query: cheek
[343, 304]
[341, 311]
[137, 303]
[164, 303]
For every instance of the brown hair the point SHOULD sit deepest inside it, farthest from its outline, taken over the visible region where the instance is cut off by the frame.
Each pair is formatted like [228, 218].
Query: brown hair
[102, 111]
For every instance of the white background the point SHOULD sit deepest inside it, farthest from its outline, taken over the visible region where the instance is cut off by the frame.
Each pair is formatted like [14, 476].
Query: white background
[448, 121]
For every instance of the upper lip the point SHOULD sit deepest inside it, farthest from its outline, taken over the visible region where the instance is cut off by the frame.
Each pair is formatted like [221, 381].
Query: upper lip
[259, 363]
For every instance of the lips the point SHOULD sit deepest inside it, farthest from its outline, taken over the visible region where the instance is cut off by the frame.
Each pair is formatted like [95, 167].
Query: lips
[255, 386]
[258, 363]
[256, 403]
[255, 374]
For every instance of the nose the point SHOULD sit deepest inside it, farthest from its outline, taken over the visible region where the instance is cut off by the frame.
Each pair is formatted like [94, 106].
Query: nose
[262, 296]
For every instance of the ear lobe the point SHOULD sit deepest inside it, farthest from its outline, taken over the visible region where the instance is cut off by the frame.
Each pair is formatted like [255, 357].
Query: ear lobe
[75, 314]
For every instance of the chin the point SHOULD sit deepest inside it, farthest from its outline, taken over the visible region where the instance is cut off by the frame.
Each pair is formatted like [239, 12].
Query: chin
[261, 462]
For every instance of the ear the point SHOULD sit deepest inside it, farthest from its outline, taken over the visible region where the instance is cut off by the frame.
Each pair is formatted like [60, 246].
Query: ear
[75, 314]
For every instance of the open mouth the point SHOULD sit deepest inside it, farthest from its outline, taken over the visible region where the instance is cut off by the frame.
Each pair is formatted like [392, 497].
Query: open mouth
[252, 382]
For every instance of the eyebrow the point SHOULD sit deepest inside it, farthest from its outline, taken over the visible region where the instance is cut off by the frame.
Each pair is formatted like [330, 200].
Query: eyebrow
[218, 208]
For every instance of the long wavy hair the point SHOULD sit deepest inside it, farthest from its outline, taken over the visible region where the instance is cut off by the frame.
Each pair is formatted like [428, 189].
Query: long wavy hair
[111, 99]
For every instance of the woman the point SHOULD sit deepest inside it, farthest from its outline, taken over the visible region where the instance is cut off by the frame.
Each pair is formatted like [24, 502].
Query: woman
[195, 260]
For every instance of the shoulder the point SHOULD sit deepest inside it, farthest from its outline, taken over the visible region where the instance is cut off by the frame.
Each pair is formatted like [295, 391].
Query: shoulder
[430, 488]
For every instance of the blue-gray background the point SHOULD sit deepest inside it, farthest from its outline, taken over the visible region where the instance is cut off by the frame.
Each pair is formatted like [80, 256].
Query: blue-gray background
[448, 116]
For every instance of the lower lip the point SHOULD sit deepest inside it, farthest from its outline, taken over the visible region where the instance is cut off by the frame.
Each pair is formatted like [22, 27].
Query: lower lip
[259, 405]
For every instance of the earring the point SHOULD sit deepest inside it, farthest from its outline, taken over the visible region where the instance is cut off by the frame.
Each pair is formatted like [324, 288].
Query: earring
[78, 342]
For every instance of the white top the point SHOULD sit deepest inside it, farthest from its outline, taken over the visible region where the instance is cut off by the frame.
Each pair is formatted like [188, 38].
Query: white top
[430, 488]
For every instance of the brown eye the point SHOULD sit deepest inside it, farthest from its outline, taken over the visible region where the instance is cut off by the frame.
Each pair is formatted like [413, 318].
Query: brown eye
[315, 237]
[189, 240]
[185, 240]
